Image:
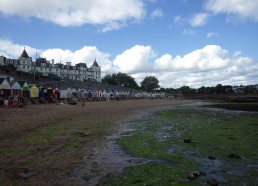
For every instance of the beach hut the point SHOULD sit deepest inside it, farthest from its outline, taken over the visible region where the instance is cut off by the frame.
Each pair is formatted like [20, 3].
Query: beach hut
[34, 91]
[42, 94]
[34, 94]
[69, 93]
[42, 91]
[79, 94]
[105, 95]
[49, 94]
[5, 87]
[56, 93]
[101, 95]
[66, 94]
[16, 89]
[63, 94]
[84, 94]
[25, 89]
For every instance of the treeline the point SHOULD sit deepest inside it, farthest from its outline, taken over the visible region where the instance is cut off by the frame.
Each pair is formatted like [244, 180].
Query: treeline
[219, 90]
[149, 83]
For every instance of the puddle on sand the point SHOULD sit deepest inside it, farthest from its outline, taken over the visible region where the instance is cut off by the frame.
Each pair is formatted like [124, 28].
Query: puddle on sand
[107, 157]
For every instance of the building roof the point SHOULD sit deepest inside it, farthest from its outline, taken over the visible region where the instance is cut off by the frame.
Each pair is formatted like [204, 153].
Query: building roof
[81, 65]
[95, 64]
[21, 83]
[24, 54]
[2, 80]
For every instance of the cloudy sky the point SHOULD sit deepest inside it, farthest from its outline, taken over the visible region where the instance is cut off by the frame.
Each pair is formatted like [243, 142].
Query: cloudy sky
[181, 42]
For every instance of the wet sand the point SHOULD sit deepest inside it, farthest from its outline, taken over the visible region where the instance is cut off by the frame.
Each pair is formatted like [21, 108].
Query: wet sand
[66, 166]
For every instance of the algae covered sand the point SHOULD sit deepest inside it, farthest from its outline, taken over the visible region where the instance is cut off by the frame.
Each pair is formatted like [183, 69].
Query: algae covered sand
[219, 144]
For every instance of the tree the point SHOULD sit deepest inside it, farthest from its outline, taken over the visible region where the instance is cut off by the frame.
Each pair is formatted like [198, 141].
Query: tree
[54, 77]
[8, 68]
[120, 79]
[150, 83]
[187, 91]
[108, 79]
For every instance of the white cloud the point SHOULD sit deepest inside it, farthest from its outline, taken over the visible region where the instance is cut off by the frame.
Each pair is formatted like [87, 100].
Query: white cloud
[179, 19]
[134, 60]
[13, 51]
[211, 34]
[243, 9]
[188, 32]
[199, 19]
[86, 54]
[207, 66]
[157, 13]
[237, 53]
[77, 12]
[208, 58]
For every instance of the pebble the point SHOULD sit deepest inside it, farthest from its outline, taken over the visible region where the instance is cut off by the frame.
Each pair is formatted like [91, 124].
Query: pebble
[25, 175]
[212, 182]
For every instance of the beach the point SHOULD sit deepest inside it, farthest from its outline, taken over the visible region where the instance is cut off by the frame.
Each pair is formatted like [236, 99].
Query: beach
[43, 144]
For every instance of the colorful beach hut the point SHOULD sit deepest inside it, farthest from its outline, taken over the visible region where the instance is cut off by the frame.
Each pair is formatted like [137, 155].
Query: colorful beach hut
[16, 89]
[42, 91]
[5, 87]
[34, 91]
[25, 89]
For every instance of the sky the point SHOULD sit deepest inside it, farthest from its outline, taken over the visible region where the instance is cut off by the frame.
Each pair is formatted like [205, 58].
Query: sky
[191, 43]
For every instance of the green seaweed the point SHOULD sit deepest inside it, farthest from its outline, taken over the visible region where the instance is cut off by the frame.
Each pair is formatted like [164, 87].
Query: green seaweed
[205, 133]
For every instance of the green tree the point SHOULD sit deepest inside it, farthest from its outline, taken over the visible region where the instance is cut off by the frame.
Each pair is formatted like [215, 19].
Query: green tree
[150, 83]
[187, 91]
[120, 79]
[108, 79]
[54, 77]
[8, 68]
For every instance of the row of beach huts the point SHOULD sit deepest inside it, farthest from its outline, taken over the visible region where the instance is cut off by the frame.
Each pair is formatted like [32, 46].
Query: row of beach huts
[19, 93]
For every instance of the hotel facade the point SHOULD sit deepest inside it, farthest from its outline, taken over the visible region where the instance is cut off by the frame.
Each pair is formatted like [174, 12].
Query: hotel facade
[79, 72]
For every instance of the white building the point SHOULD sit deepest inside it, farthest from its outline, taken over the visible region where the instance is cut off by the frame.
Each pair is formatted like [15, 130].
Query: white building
[78, 72]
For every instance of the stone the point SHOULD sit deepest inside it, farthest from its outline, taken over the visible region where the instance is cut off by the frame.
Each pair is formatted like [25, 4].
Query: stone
[211, 157]
[25, 175]
[193, 175]
[234, 156]
[189, 141]
[212, 182]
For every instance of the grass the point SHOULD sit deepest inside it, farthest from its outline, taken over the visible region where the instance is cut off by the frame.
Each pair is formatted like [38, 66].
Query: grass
[211, 133]
[218, 134]
[150, 174]
[46, 148]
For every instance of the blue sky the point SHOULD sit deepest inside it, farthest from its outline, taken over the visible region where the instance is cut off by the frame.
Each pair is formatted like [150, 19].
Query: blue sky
[181, 42]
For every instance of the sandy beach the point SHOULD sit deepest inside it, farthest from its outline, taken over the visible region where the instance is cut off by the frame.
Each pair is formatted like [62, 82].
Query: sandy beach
[29, 158]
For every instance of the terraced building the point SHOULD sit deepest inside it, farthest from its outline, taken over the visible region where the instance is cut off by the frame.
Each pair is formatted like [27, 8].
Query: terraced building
[78, 72]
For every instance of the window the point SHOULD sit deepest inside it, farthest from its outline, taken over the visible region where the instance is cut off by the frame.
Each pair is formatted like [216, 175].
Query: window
[50, 70]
